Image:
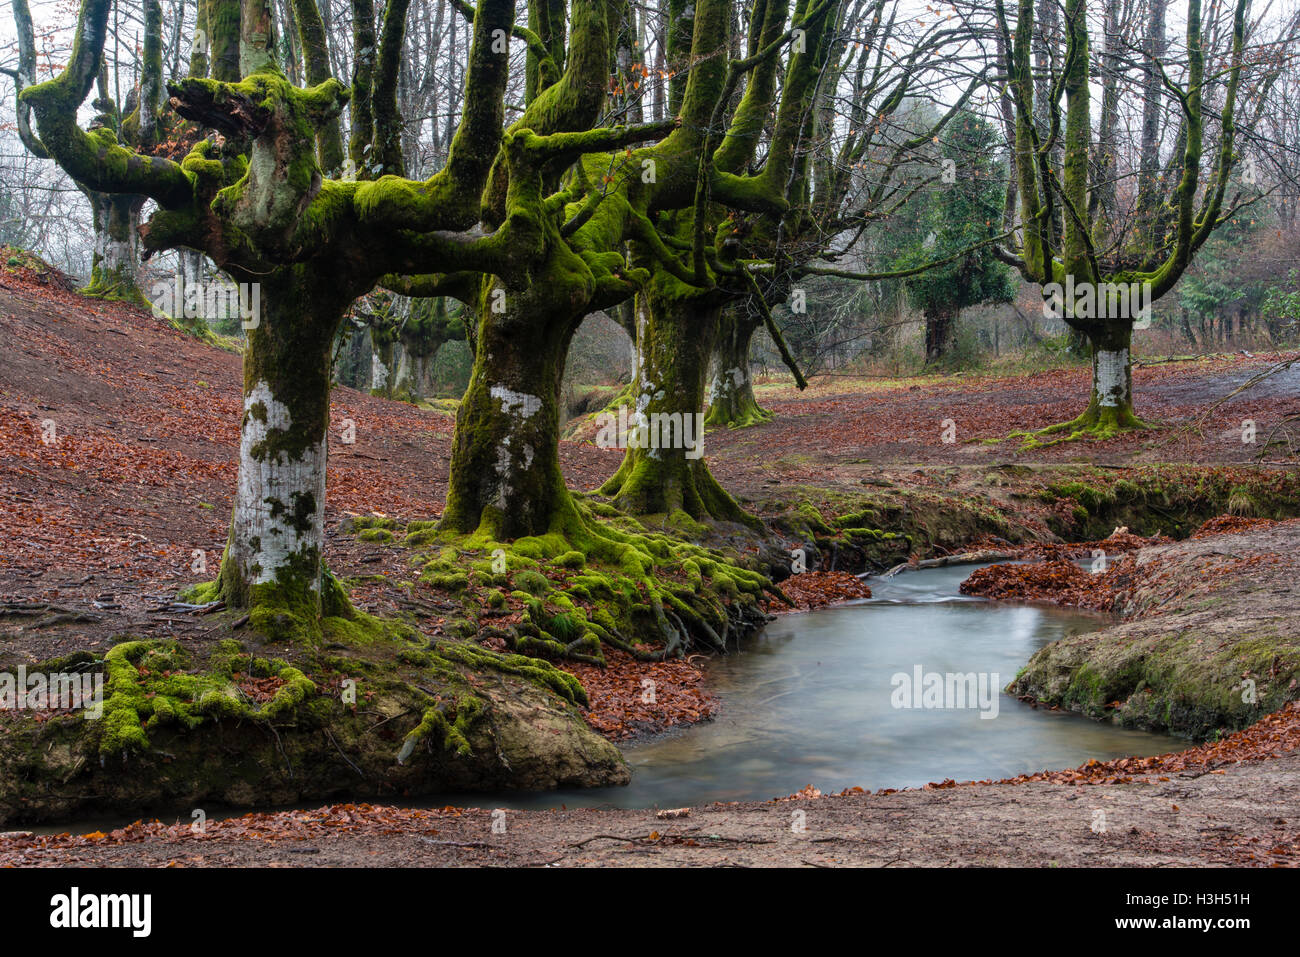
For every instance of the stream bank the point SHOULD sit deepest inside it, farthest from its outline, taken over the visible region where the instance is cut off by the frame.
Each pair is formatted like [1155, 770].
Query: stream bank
[1210, 642]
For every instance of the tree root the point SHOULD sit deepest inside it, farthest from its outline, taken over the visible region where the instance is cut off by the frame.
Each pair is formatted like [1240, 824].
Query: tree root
[615, 583]
[1096, 424]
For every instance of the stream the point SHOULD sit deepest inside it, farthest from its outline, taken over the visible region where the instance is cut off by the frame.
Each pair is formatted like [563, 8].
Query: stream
[815, 699]
[811, 700]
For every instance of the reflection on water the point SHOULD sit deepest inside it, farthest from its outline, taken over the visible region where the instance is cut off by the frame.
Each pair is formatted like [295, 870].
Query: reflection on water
[809, 702]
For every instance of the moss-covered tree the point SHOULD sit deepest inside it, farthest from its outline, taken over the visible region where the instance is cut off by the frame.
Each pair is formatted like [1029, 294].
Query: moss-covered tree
[405, 336]
[1064, 242]
[139, 124]
[252, 196]
[865, 155]
[678, 316]
[505, 477]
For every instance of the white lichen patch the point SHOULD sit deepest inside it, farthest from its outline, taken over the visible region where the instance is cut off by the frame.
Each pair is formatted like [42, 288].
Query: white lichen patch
[726, 382]
[519, 404]
[1111, 377]
[270, 490]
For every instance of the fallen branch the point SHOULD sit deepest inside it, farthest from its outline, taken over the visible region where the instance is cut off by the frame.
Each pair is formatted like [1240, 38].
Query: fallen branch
[965, 558]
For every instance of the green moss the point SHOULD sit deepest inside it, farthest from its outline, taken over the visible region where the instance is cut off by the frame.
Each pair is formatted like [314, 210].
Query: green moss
[152, 683]
[358, 523]
[534, 583]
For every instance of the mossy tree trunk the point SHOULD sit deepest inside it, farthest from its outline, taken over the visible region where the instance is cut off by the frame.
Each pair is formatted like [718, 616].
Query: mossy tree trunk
[676, 333]
[1110, 407]
[383, 361]
[272, 564]
[505, 467]
[731, 390]
[113, 273]
[313, 246]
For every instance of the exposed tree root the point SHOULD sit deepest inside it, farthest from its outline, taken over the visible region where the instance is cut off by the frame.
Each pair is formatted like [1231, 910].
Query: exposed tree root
[611, 583]
[1097, 423]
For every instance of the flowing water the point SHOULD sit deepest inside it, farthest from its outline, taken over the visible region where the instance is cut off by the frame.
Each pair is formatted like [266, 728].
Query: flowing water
[814, 699]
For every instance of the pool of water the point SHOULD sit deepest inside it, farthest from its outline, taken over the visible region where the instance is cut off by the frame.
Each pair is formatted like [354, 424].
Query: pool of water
[814, 699]
[818, 698]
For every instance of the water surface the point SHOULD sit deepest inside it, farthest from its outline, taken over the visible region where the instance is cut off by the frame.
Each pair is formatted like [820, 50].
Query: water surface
[810, 701]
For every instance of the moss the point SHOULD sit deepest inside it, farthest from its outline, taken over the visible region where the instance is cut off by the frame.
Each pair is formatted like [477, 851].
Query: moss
[1172, 682]
[571, 559]
[531, 582]
[202, 593]
[358, 523]
[153, 683]
[1167, 499]
[446, 580]
[434, 725]
[1097, 423]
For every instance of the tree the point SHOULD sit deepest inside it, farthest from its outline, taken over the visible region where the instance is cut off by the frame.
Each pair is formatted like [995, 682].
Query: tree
[505, 478]
[957, 218]
[140, 124]
[405, 336]
[864, 156]
[254, 199]
[678, 316]
[1094, 264]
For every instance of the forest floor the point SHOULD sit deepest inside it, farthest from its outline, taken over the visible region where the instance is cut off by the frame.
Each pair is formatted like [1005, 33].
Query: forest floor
[1191, 808]
[102, 524]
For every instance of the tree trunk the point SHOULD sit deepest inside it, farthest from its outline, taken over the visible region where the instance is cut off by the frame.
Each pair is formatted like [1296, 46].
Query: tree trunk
[505, 467]
[676, 337]
[273, 559]
[383, 361]
[411, 369]
[1110, 406]
[938, 335]
[731, 389]
[113, 273]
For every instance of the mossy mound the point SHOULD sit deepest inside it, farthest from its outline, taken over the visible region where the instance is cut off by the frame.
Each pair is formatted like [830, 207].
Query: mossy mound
[1174, 681]
[1172, 500]
[599, 578]
[400, 718]
[873, 531]
[1212, 646]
